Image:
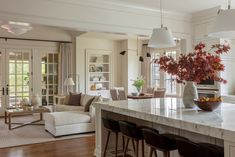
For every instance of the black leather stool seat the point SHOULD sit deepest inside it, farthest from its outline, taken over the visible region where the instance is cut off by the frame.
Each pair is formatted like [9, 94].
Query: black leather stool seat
[188, 148]
[111, 124]
[160, 141]
[211, 150]
[131, 130]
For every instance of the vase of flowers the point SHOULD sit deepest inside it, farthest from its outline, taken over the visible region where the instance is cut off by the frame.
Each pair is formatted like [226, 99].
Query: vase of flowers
[195, 67]
[138, 83]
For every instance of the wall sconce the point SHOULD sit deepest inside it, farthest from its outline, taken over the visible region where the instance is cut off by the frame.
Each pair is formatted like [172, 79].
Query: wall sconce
[123, 53]
[141, 59]
[148, 55]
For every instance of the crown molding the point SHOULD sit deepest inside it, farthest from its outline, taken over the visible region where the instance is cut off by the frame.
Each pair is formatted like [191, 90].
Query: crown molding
[114, 6]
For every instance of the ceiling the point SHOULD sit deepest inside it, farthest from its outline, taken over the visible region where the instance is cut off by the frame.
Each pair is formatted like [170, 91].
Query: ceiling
[184, 6]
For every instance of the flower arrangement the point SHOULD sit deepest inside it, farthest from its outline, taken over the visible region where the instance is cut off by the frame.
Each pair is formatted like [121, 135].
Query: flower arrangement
[138, 83]
[196, 66]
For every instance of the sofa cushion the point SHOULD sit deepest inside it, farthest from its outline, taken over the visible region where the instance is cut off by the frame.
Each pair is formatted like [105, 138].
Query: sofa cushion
[74, 99]
[66, 118]
[60, 107]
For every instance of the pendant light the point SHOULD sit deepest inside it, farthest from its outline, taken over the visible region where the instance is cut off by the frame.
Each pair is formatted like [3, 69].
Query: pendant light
[224, 24]
[161, 37]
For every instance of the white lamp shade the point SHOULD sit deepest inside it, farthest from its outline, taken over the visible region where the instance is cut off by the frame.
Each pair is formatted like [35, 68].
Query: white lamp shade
[69, 82]
[161, 38]
[224, 25]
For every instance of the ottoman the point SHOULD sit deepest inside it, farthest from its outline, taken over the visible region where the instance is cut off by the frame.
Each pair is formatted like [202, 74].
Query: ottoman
[68, 122]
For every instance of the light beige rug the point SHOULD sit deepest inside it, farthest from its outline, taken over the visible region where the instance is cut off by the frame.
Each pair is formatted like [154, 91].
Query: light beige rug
[30, 134]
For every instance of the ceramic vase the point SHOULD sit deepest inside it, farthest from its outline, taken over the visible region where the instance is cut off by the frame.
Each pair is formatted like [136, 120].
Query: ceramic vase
[189, 94]
[35, 101]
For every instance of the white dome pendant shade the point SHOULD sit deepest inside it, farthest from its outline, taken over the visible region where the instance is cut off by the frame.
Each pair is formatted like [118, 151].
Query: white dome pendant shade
[161, 38]
[224, 25]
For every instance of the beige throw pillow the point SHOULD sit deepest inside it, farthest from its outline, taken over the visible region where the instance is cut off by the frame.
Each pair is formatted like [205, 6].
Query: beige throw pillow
[87, 100]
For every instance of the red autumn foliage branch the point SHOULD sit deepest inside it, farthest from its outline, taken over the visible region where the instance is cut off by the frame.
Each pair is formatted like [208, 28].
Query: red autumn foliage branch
[196, 66]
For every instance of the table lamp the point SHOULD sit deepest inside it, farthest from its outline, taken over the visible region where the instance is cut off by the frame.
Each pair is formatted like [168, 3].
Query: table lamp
[68, 82]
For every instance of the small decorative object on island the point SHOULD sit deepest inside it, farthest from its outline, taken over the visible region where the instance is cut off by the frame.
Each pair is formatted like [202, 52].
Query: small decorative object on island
[208, 104]
[35, 101]
[194, 67]
[138, 83]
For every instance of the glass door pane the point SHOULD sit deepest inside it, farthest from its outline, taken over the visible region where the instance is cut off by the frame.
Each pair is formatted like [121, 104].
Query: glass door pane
[49, 66]
[18, 76]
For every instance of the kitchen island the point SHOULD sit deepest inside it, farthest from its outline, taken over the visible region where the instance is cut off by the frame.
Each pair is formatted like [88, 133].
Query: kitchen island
[169, 115]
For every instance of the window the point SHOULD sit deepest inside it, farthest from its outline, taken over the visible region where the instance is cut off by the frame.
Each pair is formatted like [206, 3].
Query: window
[162, 79]
[49, 65]
[170, 82]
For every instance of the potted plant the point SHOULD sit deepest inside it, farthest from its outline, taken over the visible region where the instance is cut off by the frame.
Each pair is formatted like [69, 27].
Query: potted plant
[138, 83]
[194, 67]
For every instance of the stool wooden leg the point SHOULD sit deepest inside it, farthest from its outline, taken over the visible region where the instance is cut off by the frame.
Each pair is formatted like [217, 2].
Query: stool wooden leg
[106, 144]
[142, 142]
[133, 144]
[137, 148]
[123, 143]
[126, 146]
[166, 153]
[151, 152]
[116, 147]
[155, 153]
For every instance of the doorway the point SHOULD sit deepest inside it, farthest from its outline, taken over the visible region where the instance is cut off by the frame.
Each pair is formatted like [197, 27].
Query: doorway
[15, 77]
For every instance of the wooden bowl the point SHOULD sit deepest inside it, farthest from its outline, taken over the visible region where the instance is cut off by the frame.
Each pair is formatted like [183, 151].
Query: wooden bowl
[207, 105]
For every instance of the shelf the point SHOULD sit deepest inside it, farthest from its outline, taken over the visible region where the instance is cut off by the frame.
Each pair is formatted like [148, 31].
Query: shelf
[99, 72]
[98, 63]
[99, 81]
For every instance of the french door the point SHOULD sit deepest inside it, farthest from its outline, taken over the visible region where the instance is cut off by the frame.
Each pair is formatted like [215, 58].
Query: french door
[15, 77]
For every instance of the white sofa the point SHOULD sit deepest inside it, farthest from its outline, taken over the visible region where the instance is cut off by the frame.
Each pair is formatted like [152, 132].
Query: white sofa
[67, 119]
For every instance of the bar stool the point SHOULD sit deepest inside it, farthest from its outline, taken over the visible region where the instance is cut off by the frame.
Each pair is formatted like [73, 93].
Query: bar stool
[111, 126]
[130, 131]
[188, 148]
[160, 142]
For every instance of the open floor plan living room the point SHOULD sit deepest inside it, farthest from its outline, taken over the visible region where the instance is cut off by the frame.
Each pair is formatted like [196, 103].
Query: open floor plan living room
[117, 78]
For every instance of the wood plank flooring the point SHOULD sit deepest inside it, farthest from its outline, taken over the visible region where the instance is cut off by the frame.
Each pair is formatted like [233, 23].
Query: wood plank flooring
[79, 147]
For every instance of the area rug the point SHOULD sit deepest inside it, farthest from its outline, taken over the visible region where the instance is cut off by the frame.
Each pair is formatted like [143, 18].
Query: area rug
[29, 134]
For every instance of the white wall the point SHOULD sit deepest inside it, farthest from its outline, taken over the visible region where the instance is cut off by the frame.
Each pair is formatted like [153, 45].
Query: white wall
[83, 43]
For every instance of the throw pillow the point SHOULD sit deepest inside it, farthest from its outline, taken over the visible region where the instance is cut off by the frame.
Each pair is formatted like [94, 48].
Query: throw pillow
[85, 99]
[74, 99]
[90, 102]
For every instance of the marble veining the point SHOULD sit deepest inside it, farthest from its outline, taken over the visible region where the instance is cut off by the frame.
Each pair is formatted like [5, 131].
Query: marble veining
[171, 112]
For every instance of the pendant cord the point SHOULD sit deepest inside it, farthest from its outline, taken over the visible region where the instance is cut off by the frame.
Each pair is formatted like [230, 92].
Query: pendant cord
[161, 11]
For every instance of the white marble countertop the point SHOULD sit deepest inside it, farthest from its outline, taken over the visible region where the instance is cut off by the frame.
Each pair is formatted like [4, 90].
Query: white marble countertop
[170, 111]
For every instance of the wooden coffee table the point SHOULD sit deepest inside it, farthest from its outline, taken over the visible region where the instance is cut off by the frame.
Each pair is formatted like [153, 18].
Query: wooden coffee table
[9, 113]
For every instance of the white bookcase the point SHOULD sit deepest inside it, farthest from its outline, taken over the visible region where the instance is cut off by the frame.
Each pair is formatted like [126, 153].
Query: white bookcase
[98, 72]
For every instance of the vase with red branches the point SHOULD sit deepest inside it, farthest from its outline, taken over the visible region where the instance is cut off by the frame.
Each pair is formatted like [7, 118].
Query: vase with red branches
[195, 67]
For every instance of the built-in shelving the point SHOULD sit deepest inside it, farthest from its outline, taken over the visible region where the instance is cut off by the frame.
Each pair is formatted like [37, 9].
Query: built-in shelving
[98, 72]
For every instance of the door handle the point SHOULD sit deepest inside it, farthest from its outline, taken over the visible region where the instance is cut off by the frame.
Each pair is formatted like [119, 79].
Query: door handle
[7, 91]
[3, 91]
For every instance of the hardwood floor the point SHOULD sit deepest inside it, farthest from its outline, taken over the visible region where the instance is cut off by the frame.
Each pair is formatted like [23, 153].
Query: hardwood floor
[80, 147]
